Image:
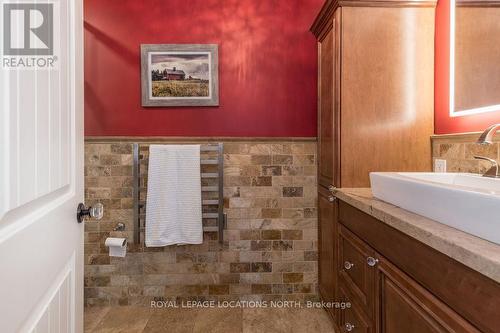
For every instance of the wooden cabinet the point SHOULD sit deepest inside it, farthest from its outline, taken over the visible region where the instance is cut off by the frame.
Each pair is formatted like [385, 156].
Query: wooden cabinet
[396, 284]
[375, 109]
[327, 211]
[375, 89]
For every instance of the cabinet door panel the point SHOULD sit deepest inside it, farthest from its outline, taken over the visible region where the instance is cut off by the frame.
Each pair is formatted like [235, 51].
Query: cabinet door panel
[353, 319]
[405, 306]
[354, 270]
[328, 91]
[327, 224]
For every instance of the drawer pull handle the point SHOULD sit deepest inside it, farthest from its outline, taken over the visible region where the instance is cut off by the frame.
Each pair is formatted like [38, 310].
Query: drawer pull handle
[349, 327]
[371, 261]
[331, 198]
[332, 188]
[348, 265]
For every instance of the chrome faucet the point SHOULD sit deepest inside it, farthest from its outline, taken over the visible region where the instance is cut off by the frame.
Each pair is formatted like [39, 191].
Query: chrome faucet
[492, 172]
[486, 138]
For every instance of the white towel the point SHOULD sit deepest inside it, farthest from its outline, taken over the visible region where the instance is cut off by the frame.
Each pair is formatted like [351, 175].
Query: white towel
[173, 203]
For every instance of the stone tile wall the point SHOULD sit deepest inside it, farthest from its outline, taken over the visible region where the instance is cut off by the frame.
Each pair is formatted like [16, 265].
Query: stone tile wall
[459, 151]
[270, 247]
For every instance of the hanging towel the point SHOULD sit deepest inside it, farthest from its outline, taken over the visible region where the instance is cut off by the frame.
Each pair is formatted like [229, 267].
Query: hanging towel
[173, 203]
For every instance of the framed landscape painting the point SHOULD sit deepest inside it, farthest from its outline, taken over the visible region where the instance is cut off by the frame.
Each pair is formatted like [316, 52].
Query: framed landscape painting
[179, 75]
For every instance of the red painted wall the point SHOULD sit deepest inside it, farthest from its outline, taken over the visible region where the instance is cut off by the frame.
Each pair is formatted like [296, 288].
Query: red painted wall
[444, 124]
[267, 61]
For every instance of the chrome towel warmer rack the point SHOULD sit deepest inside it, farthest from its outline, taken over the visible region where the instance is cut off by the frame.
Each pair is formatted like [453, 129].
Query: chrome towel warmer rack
[212, 176]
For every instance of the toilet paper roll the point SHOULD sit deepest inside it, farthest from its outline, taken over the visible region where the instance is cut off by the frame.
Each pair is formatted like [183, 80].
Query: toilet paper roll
[117, 246]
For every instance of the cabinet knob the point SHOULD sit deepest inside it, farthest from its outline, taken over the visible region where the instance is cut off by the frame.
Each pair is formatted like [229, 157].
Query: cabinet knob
[349, 327]
[332, 188]
[348, 265]
[331, 198]
[371, 261]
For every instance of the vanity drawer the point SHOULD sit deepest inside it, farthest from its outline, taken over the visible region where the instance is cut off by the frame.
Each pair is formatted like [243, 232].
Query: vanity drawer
[354, 271]
[353, 319]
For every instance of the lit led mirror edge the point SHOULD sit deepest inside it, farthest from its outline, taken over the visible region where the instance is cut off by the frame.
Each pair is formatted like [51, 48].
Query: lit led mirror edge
[454, 113]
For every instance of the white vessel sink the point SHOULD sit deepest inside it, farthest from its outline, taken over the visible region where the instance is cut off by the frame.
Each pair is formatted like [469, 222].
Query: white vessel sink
[467, 202]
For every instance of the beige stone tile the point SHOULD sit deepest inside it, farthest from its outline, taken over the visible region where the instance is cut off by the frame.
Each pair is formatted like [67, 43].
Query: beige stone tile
[232, 171]
[251, 211]
[93, 316]
[451, 150]
[281, 149]
[303, 160]
[97, 148]
[240, 202]
[311, 320]
[234, 159]
[310, 170]
[232, 148]
[251, 170]
[260, 149]
[268, 320]
[124, 319]
[171, 320]
[240, 289]
[473, 149]
[260, 192]
[286, 320]
[218, 320]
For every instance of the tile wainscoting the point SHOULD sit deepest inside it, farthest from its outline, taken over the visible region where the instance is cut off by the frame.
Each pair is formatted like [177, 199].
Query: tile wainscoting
[270, 247]
[459, 150]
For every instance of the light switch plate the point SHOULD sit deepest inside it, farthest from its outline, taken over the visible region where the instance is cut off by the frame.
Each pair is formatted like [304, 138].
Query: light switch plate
[439, 165]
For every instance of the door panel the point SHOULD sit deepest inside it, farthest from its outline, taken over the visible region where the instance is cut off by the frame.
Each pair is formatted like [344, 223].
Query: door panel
[405, 306]
[387, 91]
[327, 246]
[353, 318]
[41, 184]
[354, 270]
[328, 60]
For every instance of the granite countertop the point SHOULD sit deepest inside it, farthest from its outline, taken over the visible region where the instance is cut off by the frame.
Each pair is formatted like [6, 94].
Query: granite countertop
[474, 252]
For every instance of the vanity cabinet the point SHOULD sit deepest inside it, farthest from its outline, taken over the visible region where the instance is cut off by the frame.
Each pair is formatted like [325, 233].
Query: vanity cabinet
[397, 284]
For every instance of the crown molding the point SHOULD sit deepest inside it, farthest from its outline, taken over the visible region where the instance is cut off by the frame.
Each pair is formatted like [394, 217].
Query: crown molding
[330, 6]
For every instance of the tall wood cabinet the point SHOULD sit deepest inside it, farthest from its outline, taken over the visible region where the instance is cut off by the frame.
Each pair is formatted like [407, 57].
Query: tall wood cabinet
[375, 103]
[375, 89]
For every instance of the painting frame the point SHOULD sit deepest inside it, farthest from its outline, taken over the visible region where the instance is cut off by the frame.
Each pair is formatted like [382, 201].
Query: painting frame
[150, 50]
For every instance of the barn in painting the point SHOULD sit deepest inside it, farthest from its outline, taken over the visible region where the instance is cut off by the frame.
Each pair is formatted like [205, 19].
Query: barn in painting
[173, 74]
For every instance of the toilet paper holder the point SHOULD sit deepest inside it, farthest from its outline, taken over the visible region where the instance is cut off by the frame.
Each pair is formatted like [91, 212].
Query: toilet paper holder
[119, 227]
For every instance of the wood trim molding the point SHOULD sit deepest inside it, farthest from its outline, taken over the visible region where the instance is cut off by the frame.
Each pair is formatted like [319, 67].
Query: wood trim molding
[477, 3]
[388, 3]
[186, 139]
[470, 137]
[331, 6]
[324, 17]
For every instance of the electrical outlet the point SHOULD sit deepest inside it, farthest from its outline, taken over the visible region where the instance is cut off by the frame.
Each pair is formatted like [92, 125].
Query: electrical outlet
[439, 165]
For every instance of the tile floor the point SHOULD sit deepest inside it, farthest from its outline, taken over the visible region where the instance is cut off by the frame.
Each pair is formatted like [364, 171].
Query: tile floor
[142, 319]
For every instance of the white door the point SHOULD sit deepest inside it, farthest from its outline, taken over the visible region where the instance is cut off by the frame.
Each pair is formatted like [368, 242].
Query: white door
[41, 166]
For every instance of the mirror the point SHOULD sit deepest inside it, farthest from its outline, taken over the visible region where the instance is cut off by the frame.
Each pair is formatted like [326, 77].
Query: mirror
[474, 57]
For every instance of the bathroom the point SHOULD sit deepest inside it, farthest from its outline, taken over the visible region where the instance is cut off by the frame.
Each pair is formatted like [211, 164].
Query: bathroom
[249, 166]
